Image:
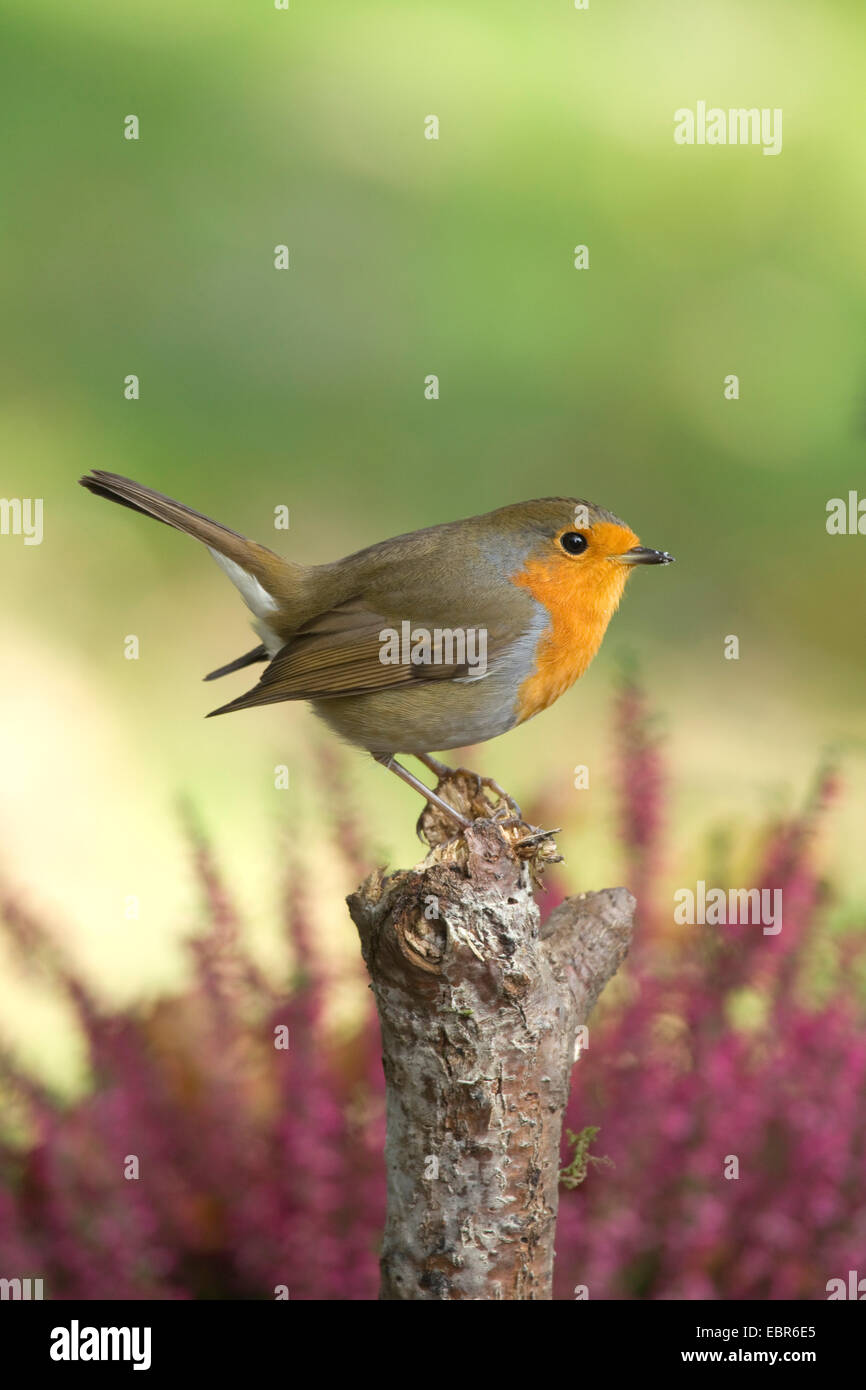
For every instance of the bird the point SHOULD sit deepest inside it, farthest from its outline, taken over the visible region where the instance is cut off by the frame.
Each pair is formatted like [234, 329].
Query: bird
[431, 640]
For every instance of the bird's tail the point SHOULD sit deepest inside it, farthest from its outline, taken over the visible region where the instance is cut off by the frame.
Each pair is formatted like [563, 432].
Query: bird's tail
[267, 582]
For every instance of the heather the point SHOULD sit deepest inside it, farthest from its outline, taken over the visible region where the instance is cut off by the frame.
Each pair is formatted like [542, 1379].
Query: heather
[258, 1129]
[727, 1044]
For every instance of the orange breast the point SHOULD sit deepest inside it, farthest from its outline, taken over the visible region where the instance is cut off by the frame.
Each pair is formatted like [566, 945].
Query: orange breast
[581, 599]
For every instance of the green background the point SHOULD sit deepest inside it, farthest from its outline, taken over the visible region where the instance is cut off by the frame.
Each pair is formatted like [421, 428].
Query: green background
[306, 388]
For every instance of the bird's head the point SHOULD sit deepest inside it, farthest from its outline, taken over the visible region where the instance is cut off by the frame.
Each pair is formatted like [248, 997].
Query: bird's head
[572, 554]
[573, 558]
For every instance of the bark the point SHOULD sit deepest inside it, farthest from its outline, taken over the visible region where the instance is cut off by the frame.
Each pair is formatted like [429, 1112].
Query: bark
[479, 1006]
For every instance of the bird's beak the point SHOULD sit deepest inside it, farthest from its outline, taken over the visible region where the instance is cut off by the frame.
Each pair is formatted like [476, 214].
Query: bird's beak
[640, 555]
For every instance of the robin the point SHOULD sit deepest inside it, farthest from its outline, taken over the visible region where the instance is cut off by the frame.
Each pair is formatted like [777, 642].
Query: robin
[432, 640]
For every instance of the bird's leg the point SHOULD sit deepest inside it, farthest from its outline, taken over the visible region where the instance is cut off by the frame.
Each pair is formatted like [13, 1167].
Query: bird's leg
[390, 762]
[441, 770]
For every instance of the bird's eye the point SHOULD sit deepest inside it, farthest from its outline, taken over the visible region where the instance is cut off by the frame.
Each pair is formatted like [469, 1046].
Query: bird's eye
[574, 542]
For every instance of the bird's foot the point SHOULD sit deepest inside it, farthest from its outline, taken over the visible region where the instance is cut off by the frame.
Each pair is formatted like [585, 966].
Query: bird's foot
[464, 795]
[444, 773]
[471, 798]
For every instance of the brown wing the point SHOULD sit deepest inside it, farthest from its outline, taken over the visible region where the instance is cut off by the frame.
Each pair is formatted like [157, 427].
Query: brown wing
[341, 653]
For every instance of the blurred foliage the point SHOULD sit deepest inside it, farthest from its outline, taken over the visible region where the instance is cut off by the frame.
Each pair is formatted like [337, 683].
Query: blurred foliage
[455, 257]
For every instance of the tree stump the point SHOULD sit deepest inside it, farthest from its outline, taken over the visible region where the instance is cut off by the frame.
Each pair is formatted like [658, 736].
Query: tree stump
[479, 1006]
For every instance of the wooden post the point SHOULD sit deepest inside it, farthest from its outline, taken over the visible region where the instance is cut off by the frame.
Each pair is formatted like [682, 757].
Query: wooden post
[479, 1005]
